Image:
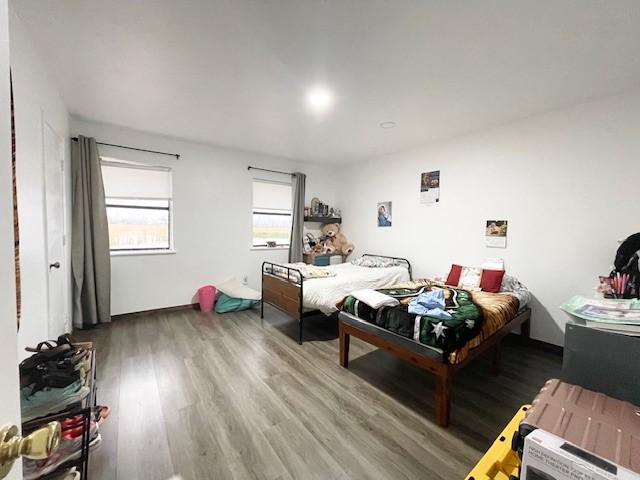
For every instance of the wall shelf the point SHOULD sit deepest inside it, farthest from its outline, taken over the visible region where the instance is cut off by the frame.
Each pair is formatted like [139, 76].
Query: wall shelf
[319, 219]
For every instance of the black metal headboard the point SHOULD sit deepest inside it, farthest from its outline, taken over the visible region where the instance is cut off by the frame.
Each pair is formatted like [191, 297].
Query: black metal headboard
[400, 259]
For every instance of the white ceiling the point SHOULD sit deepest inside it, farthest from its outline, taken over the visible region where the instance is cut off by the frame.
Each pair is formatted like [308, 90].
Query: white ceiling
[235, 72]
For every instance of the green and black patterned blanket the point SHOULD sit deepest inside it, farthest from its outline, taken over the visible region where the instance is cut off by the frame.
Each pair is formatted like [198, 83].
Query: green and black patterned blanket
[447, 335]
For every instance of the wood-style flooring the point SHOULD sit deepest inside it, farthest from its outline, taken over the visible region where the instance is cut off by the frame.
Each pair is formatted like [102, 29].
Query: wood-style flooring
[209, 396]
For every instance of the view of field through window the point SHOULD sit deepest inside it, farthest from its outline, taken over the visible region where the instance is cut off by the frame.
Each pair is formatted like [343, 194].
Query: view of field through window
[138, 224]
[271, 225]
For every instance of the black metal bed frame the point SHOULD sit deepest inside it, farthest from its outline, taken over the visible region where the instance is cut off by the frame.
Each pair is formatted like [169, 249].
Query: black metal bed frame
[268, 269]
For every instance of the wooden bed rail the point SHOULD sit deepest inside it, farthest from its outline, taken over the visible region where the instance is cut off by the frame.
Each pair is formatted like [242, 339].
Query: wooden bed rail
[285, 294]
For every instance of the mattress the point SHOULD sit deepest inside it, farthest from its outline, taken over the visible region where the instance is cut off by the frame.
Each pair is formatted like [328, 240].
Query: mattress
[324, 293]
[497, 315]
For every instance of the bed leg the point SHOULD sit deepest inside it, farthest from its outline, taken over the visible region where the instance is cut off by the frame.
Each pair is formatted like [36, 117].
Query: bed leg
[344, 346]
[525, 331]
[496, 360]
[300, 331]
[261, 309]
[443, 399]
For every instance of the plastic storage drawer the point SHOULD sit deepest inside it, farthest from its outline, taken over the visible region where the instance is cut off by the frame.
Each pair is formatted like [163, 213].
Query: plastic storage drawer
[592, 421]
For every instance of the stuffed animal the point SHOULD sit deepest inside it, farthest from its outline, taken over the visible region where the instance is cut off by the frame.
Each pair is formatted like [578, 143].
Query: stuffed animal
[336, 241]
[327, 246]
[319, 248]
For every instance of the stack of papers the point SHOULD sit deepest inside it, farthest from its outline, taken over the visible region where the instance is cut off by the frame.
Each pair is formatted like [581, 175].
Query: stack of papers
[619, 316]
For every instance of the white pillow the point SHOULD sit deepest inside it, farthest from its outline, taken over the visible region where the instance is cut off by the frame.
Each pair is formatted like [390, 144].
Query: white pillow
[493, 264]
[375, 299]
[234, 289]
[470, 278]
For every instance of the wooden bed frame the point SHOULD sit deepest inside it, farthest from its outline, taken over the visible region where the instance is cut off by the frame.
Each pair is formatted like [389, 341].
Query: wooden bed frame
[443, 371]
[287, 294]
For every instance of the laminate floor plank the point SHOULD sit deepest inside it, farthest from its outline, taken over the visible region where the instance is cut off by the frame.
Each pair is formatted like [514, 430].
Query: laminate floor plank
[236, 426]
[143, 451]
[231, 396]
[341, 435]
[302, 454]
[254, 397]
[196, 453]
[344, 400]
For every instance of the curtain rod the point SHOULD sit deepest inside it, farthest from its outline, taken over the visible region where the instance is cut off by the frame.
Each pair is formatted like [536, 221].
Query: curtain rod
[267, 170]
[177, 155]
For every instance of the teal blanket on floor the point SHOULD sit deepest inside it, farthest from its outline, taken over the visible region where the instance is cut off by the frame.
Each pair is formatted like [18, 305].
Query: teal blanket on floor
[226, 304]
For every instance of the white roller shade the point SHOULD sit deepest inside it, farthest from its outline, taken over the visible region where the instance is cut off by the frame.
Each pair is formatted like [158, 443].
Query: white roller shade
[271, 196]
[136, 182]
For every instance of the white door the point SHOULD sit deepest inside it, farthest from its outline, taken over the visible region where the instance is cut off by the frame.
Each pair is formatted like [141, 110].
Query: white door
[54, 200]
[9, 385]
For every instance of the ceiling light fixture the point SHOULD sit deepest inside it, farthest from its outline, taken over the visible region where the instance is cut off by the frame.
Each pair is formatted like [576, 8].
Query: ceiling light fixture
[387, 124]
[319, 99]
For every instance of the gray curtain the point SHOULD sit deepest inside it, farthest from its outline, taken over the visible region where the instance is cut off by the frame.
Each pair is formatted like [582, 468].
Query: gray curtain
[90, 258]
[297, 224]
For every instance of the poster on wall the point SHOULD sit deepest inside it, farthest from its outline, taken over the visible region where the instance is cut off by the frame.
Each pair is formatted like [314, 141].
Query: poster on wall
[430, 187]
[496, 234]
[384, 214]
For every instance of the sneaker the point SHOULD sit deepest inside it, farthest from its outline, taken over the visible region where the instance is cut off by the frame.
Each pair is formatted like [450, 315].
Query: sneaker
[42, 377]
[50, 400]
[72, 434]
[71, 474]
[66, 452]
[71, 422]
[55, 379]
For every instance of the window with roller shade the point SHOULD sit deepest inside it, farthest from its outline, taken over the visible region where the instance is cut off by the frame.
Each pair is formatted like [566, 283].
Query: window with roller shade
[139, 207]
[271, 213]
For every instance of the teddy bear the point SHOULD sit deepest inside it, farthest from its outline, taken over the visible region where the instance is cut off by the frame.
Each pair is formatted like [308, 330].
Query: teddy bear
[336, 241]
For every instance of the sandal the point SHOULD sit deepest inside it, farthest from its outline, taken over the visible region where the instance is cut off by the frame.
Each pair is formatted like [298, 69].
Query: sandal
[74, 356]
[68, 338]
[49, 347]
[100, 413]
[43, 355]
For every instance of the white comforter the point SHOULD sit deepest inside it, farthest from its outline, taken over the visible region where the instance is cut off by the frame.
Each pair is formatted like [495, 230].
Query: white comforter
[324, 293]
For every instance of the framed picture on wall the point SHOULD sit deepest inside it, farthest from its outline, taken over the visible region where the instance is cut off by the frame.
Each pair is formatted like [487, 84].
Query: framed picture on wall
[384, 214]
[430, 187]
[496, 233]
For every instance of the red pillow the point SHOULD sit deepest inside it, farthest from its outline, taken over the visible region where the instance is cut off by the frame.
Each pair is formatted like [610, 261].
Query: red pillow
[454, 275]
[491, 280]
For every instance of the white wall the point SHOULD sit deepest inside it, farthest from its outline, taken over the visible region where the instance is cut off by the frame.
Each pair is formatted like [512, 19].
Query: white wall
[566, 181]
[9, 398]
[212, 215]
[36, 101]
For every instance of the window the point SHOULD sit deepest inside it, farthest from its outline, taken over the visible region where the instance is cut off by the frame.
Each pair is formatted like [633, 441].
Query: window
[271, 213]
[139, 207]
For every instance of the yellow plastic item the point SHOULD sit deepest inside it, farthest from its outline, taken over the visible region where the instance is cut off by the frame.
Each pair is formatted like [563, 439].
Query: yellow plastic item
[500, 462]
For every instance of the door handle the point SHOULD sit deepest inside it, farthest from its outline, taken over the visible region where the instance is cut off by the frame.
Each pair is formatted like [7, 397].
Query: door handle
[54, 265]
[36, 446]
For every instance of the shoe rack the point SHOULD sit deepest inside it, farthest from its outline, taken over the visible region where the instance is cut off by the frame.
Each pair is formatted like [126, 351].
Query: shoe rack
[83, 408]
